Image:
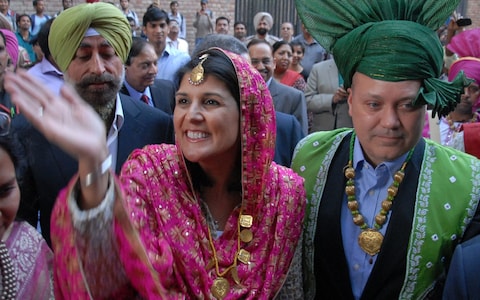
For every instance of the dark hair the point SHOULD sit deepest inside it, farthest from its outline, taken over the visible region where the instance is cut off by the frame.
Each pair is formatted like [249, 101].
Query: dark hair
[222, 41]
[21, 16]
[138, 44]
[42, 37]
[258, 42]
[296, 43]
[173, 2]
[154, 14]
[238, 23]
[219, 65]
[279, 44]
[11, 144]
[222, 18]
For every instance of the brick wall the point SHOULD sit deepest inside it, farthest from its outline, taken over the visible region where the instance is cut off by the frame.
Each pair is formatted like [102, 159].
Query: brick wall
[473, 12]
[187, 7]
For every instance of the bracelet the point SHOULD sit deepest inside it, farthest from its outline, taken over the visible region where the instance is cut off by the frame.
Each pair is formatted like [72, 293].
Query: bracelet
[92, 176]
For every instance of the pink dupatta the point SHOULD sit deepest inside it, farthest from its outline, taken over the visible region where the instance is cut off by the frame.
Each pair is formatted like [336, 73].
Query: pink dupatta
[162, 233]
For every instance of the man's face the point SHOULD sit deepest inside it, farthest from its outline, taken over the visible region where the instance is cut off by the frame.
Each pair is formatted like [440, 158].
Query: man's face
[3, 6]
[174, 29]
[286, 31]
[221, 27]
[124, 4]
[386, 122]
[174, 8]
[142, 69]
[156, 31]
[40, 6]
[96, 72]
[240, 31]
[24, 23]
[263, 27]
[468, 99]
[262, 59]
[67, 4]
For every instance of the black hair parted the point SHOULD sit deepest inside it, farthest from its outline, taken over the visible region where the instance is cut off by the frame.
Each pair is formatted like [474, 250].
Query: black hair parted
[217, 64]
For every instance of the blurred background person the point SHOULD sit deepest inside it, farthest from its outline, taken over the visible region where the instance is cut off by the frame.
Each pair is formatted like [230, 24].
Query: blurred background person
[222, 25]
[286, 31]
[240, 30]
[204, 21]
[140, 82]
[326, 98]
[173, 38]
[9, 14]
[174, 14]
[282, 56]
[297, 55]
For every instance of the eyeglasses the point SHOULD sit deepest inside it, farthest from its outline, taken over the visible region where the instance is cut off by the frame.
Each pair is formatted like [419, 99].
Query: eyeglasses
[265, 61]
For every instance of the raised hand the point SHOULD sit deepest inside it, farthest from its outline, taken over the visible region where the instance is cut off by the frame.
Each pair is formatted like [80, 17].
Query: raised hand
[65, 120]
[70, 123]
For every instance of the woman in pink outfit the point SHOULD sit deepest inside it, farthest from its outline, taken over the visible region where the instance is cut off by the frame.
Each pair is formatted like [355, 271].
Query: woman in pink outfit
[209, 217]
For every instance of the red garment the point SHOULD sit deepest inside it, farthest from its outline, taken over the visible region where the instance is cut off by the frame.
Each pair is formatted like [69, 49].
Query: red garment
[290, 77]
[471, 138]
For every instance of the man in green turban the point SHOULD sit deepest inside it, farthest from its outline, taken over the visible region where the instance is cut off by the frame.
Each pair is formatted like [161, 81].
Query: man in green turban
[90, 43]
[385, 206]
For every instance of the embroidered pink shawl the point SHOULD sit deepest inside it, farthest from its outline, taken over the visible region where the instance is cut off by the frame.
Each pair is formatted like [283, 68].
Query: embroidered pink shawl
[162, 232]
[33, 262]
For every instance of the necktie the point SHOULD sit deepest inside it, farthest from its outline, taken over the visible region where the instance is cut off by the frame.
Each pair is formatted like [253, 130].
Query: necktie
[145, 99]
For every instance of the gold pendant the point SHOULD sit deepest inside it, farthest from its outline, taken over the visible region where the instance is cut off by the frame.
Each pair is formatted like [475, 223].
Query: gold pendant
[246, 221]
[370, 240]
[246, 235]
[234, 273]
[244, 256]
[220, 288]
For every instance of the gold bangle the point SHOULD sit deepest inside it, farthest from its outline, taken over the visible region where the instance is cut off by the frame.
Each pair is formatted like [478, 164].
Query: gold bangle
[92, 176]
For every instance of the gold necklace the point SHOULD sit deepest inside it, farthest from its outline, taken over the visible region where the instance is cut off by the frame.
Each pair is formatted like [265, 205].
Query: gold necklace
[370, 239]
[221, 286]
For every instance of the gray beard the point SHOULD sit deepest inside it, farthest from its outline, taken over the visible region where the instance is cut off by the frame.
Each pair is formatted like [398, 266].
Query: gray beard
[104, 102]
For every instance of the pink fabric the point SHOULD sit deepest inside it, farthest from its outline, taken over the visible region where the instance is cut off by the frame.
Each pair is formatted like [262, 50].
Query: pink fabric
[466, 43]
[32, 260]
[163, 234]
[471, 67]
[11, 43]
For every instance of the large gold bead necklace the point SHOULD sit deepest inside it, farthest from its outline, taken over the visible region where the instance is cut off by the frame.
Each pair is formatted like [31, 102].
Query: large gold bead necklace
[370, 239]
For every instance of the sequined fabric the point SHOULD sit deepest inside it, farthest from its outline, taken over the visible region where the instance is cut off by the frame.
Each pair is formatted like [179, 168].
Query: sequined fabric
[162, 232]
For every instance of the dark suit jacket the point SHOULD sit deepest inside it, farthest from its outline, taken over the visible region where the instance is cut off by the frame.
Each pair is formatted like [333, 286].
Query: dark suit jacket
[290, 101]
[462, 279]
[289, 133]
[49, 168]
[163, 94]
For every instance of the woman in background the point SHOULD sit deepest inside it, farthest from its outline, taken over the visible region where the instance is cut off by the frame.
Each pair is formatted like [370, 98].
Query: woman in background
[282, 56]
[25, 258]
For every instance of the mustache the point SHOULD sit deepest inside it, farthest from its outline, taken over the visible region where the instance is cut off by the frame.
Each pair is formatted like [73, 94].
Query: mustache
[94, 79]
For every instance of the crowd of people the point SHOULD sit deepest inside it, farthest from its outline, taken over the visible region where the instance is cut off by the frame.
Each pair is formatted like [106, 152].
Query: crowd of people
[329, 164]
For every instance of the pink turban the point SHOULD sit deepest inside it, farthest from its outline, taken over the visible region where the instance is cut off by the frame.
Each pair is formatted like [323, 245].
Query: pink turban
[11, 44]
[466, 43]
[471, 67]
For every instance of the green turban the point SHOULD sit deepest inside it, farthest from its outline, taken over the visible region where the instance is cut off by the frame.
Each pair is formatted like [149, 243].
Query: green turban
[69, 28]
[389, 40]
